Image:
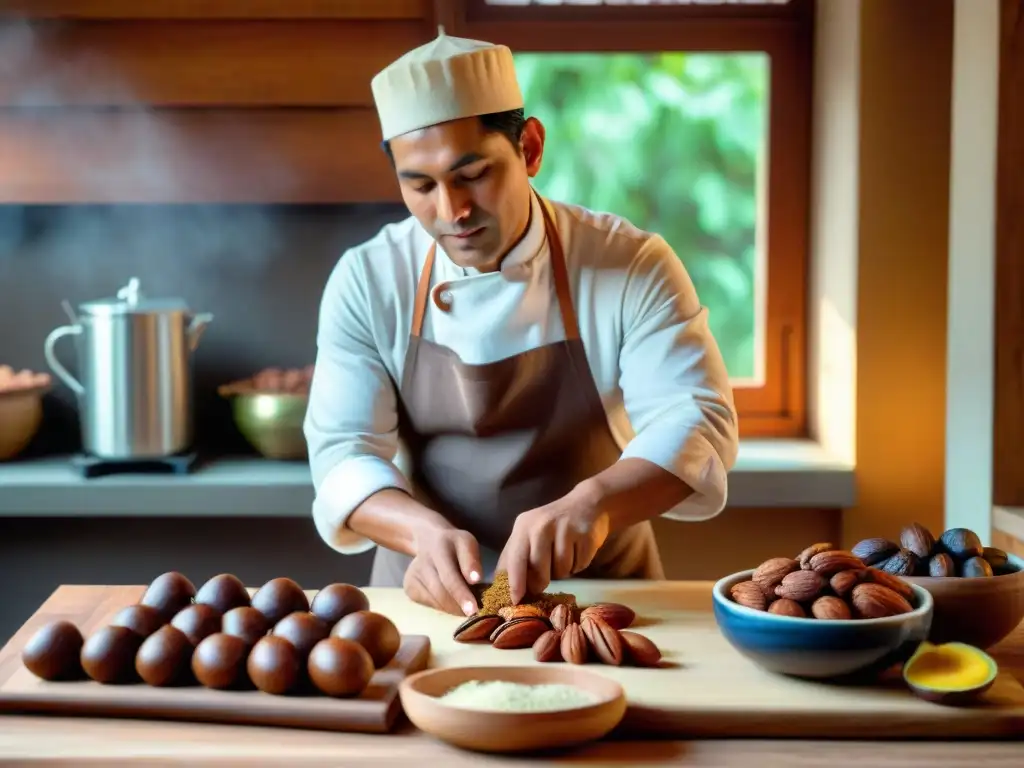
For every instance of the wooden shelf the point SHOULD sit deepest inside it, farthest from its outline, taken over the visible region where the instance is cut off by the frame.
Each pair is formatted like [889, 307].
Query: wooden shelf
[289, 63]
[220, 9]
[287, 156]
[769, 473]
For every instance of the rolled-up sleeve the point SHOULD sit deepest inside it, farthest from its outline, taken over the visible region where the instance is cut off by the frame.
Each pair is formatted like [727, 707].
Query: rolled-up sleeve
[351, 424]
[675, 386]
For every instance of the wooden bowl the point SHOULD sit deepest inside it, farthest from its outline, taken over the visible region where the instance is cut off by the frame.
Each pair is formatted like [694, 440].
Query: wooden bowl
[976, 611]
[496, 731]
[21, 415]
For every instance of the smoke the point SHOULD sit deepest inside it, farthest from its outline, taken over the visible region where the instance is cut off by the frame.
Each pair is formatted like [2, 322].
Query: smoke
[67, 112]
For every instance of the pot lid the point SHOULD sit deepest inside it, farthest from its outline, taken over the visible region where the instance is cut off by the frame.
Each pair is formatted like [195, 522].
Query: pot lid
[130, 300]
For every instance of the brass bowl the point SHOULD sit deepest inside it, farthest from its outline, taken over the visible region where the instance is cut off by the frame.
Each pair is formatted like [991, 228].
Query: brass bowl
[21, 415]
[272, 423]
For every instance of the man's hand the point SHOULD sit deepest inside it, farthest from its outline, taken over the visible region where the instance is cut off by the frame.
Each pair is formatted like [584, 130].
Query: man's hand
[447, 561]
[553, 542]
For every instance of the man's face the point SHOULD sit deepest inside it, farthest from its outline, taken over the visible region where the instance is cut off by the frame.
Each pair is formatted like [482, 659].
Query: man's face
[468, 187]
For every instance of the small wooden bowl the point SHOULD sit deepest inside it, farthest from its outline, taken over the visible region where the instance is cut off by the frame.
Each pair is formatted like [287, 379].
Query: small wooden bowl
[491, 731]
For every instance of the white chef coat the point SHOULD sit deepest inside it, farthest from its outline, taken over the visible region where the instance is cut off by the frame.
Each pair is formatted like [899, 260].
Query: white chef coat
[657, 367]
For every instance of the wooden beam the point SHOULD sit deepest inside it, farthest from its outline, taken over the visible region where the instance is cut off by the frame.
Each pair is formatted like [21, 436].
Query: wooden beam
[204, 63]
[193, 156]
[218, 9]
[1008, 437]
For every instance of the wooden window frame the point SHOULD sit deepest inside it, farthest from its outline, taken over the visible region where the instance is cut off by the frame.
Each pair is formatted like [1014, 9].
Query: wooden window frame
[785, 33]
[1008, 385]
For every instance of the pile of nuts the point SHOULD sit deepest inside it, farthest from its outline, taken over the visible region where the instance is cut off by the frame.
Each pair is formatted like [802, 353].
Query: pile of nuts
[823, 582]
[566, 633]
[957, 552]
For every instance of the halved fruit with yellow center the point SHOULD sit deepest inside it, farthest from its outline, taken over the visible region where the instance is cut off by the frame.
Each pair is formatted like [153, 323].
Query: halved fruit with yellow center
[951, 673]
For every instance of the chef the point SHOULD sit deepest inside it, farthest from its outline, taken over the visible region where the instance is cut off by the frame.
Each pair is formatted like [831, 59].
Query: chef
[504, 381]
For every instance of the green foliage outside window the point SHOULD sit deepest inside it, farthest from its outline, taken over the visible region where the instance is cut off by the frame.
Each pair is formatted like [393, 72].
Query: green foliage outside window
[675, 143]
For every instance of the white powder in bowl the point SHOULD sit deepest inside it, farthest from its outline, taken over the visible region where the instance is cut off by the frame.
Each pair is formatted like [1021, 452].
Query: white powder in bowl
[503, 696]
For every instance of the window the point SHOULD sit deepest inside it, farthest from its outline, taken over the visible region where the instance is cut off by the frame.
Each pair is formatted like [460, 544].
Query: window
[691, 118]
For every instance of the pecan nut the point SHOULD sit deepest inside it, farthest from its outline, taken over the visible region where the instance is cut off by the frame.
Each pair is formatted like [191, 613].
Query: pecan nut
[748, 594]
[770, 573]
[873, 601]
[639, 649]
[519, 633]
[561, 616]
[895, 583]
[548, 646]
[786, 607]
[830, 607]
[844, 581]
[574, 645]
[801, 586]
[804, 558]
[476, 628]
[829, 563]
[604, 639]
[615, 615]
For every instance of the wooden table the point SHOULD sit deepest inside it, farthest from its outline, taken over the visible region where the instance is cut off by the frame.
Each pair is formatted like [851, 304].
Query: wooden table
[78, 741]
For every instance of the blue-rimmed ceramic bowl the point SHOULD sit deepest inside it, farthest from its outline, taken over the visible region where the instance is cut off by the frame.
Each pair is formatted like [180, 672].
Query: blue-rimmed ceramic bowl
[820, 648]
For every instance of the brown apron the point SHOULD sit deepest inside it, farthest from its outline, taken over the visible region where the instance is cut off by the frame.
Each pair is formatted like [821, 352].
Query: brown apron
[488, 442]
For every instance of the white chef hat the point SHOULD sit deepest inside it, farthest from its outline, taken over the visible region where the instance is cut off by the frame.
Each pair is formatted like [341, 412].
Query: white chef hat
[447, 79]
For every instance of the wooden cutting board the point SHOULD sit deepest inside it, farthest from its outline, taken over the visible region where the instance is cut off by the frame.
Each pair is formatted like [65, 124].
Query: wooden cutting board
[707, 689]
[90, 608]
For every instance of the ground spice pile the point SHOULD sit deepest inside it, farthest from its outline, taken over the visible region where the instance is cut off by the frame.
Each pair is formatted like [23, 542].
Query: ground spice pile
[495, 596]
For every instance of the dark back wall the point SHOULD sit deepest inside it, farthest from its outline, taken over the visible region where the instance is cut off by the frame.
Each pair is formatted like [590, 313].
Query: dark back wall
[259, 270]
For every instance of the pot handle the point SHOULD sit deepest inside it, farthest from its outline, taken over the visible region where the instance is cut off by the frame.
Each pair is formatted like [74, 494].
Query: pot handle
[196, 328]
[54, 363]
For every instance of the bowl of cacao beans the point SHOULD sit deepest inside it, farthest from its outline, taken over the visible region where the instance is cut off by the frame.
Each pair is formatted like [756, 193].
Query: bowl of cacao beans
[978, 590]
[822, 614]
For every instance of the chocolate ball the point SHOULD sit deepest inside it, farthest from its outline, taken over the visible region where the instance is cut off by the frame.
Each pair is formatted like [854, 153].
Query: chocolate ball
[197, 621]
[219, 661]
[303, 630]
[108, 656]
[340, 667]
[245, 622]
[53, 652]
[223, 592]
[142, 619]
[374, 631]
[335, 601]
[169, 593]
[279, 597]
[164, 657]
[273, 665]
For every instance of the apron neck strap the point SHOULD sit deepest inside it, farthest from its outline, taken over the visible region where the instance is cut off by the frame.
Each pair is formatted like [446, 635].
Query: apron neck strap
[558, 272]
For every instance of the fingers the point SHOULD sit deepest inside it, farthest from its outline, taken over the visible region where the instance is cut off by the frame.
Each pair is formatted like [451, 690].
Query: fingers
[516, 560]
[564, 555]
[419, 592]
[540, 557]
[585, 551]
[443, 599]
[467, 550]
[447, 568]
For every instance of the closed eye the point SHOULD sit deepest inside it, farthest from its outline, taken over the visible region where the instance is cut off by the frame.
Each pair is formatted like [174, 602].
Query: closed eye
[478, 175]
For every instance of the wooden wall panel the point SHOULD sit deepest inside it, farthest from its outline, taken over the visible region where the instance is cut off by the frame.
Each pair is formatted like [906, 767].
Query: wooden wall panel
[215, 9]
[1008, 439]
[207, 63]
[219, 156]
